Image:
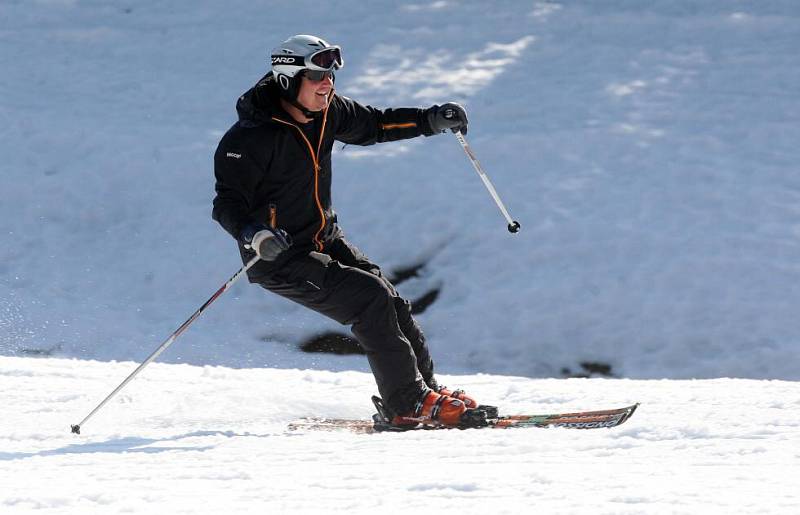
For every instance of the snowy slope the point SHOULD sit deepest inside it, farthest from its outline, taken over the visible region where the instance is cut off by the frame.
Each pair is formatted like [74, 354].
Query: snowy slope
[647, 148]
[188, 439]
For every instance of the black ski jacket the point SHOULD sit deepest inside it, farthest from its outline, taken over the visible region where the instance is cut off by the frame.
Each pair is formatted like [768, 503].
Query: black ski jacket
[270, 169]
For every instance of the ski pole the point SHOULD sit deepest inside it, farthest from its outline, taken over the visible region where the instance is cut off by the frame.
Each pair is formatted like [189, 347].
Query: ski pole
[513, 225]
[77, 427]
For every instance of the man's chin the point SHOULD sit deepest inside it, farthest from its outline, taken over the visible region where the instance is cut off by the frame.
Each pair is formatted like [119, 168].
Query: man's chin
[315, 109]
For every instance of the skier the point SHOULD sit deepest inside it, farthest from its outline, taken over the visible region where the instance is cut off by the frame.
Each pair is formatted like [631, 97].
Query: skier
[273, 181]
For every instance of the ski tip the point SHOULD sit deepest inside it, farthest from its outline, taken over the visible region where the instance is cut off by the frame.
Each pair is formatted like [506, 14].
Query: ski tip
[76, 429]
[631, 409]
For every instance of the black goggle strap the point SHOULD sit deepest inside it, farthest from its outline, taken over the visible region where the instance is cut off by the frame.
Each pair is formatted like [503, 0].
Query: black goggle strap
[292, 60]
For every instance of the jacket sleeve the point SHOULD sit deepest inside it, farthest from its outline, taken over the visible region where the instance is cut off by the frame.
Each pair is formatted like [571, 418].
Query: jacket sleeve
[364, 125]
[237, 177]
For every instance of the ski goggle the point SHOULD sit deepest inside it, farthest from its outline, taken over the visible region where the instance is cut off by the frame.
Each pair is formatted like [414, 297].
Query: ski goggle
[325, 60]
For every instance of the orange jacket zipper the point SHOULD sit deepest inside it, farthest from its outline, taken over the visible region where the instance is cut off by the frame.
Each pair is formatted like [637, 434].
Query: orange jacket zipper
[317, 242]
[273, 216]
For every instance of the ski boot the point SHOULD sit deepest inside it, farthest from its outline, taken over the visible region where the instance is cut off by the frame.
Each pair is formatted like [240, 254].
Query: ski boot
[432, 411]
[469, 401]
[433, 408]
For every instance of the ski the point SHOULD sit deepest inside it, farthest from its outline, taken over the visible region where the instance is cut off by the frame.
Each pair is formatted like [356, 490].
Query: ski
[477, 420]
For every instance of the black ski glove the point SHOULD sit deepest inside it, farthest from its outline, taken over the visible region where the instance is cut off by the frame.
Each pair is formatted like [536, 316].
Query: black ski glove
[268, 243]
[447, 116]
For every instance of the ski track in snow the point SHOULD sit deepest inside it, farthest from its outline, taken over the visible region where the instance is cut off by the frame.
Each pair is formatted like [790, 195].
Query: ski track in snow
[186, 439]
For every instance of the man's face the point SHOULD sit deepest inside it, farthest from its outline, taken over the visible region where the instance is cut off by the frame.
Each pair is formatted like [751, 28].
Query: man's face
[314, 95]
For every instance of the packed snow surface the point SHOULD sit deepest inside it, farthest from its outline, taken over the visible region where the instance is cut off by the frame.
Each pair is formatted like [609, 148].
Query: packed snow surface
[190, 439]
[649, 150]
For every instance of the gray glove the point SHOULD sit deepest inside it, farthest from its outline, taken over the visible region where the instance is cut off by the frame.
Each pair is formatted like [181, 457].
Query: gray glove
[268, 243]
[447, 116]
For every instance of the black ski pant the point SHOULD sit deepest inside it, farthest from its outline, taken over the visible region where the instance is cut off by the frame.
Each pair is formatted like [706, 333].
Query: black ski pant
[343, 284]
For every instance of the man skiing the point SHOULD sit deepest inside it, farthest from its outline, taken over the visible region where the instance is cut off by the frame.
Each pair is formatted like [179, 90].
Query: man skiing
[273, 180]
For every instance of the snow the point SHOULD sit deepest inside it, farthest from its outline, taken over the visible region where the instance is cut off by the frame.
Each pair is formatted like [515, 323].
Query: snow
[647, 148]
[190, 439]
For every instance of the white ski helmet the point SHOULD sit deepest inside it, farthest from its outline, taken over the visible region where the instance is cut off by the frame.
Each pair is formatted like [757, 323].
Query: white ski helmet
[300, 53]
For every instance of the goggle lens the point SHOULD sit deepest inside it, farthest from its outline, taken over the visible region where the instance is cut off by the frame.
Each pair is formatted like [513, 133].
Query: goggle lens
[328, 58]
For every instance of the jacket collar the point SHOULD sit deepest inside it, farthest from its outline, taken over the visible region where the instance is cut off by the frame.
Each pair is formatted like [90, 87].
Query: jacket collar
[260, 103]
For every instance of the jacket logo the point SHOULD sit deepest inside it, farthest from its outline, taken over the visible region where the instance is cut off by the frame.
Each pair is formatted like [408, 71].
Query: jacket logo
[234, 155]
[283, 59]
